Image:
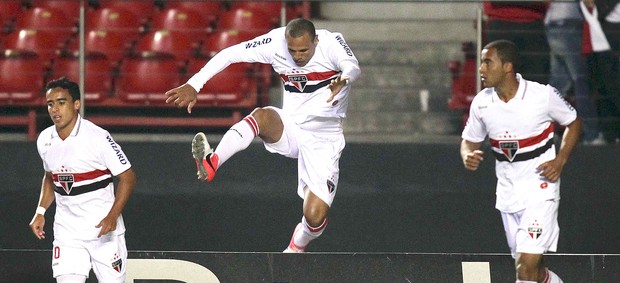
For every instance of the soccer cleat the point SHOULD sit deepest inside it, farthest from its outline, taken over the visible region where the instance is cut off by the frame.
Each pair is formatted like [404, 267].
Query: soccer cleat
[206, 160]
[292, 248]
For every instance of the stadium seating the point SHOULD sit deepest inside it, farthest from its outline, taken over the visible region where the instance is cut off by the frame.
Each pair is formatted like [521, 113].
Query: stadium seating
[70, 8]
[183, 20]
[166, 42]
[9, 11]
[33, 41]
[22, 78]
[142, 9]
[102, 42]
[231, 86]
[117, 20]
[247, 20]
[209, 10]
[273, 9]
[97, 71]
[145, 80]
[49, 20]
[221, 39]
[463, 81]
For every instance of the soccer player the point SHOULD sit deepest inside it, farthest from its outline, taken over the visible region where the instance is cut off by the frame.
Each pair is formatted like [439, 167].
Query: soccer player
[317, 68]
[518, 117]
[80, 160]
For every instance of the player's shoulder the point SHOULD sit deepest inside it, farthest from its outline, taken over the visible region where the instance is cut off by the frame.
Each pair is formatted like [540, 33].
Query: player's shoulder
[91, 130]
[484, 96]
[46, 135]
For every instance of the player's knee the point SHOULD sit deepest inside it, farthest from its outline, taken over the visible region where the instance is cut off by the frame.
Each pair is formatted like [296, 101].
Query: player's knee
[71, 278]
[315, 216]
[528, 268]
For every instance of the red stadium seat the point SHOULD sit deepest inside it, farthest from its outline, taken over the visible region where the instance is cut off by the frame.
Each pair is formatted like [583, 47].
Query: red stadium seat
[221, 39]
[102, 42]
[10, 10]
[71, 8]
[145, 80]
[464, 81]
[272, 9]
[182, 20]
[142, 9]
[229, 86]
[165, 42]
[34, 41]
[98, 75]
[116, 20]
[209, 10]
[22, 78]
[50, 20]
[246, 20]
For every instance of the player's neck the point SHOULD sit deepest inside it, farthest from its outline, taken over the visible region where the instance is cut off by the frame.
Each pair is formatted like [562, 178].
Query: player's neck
[508, 89]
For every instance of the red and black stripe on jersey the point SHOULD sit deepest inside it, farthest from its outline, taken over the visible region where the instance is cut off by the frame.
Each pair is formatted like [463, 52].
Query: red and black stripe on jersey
[528, 142]
[72, 184]
[299, 82]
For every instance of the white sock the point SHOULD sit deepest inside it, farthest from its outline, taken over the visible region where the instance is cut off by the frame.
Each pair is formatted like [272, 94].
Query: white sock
[237, 138]
[552, 277]
[71, 278]
[523, 281]
[308, 233]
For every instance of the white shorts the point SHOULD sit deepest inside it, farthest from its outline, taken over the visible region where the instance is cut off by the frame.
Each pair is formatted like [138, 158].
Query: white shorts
[317, 145]
[534, 230]
[107, 256]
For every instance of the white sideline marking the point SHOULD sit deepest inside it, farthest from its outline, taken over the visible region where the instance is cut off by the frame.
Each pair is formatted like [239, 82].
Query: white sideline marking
[476, 272]
[168, 269]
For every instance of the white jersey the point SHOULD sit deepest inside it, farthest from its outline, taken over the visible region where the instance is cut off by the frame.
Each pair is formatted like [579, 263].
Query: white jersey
[521, 134]
[82, 166]
[305, 88]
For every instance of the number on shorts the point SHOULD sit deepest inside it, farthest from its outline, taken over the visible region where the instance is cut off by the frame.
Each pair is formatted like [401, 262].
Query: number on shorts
[56, 252]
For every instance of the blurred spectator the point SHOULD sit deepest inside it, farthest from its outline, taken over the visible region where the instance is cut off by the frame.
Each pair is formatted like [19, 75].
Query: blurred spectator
[522, 23]
[603, 66]
[564, 30]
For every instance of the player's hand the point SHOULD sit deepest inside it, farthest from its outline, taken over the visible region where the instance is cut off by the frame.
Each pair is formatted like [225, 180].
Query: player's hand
[472, 160]
[336, 85]
[551, 169]
[182, 96]
[107, 224]
[36, 225]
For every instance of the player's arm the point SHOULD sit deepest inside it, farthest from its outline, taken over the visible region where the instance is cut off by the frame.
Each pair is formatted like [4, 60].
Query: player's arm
[471, 154]
[187, 94]
[124, 188]
[45, 200]
[348, 65]
[552, 169]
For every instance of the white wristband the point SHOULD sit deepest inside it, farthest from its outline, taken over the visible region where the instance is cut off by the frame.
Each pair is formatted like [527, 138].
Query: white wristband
[40, 210]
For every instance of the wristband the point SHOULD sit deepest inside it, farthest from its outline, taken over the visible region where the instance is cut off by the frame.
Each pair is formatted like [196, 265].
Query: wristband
[40, 210]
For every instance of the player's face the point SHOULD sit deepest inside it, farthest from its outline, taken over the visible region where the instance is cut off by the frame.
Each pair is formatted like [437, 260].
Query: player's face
[62, 109]
[301, 48]
[492, 71]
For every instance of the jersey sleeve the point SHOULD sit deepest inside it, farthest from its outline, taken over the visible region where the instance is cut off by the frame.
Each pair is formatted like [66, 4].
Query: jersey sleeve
[343, 57]
[257, 50]
[559, 109]
[475, 129]
[112, 155]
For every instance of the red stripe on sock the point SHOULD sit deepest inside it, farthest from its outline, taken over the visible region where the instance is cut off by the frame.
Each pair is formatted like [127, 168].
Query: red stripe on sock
[317, 229]
[253, 124]
[546, 276]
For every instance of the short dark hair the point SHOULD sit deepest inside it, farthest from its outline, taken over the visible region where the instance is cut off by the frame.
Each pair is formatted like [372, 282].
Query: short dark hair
[507, 52]
[298, 27]
[72, 87]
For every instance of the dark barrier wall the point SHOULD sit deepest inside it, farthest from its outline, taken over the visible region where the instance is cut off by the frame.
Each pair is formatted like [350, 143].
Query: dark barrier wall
[211, 267]
[391, 198]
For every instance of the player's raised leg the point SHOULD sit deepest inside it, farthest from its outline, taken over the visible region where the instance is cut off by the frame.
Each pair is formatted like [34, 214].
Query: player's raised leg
[237, 138]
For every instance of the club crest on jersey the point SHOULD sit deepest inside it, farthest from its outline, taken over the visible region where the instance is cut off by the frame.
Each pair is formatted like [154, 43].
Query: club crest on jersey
[330, 186]
[509, 148]
[299, 81]
[66, 181]
[118, 265]
[535, 230]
